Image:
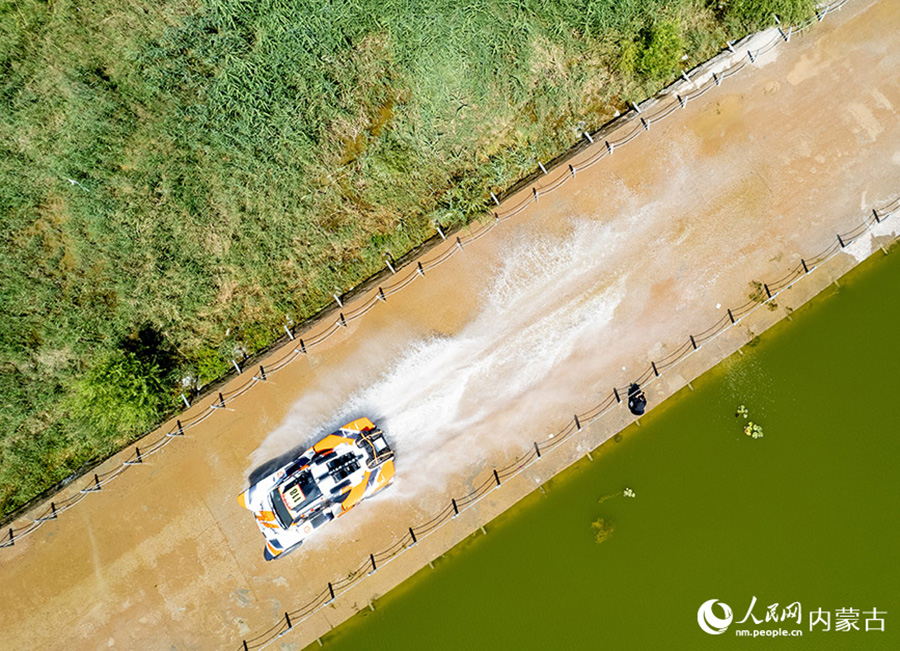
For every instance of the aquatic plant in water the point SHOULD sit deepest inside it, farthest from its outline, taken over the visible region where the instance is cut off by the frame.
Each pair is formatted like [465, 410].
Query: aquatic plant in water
[751, 429]
[603, 529]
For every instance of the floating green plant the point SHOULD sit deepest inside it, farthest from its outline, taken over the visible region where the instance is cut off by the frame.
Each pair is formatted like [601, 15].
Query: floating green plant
[753, 430]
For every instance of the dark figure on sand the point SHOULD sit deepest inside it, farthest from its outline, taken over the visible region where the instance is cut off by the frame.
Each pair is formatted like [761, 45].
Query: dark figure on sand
[637, 401]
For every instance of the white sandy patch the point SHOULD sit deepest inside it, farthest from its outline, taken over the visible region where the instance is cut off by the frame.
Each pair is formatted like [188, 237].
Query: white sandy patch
[869, 242]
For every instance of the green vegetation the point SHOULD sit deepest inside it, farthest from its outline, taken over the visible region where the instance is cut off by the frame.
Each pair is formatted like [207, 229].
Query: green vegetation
[754, 430]
[603, 529]
[189, 174]
[759, 295]
[659, 51]
[751, 429]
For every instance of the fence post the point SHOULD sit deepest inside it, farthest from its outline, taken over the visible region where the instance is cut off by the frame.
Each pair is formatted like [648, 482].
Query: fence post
[455, 507]
[459, 243]
[287, 618]
[302, 347]
[186, 401]
[655, 372]
[12, 537]
[52, 515]
[390, 266]
[412, 534]
[534, 190]
[768, 293]
[543, 169]
[180, 428]
[494, 197]
[805, 268]
[137, 452]
[440, 232]
[246, 648]
[730, 316]
[221, 404]
[572, 170]
[337, 299]
[841, 241]
[372, 558]
[331, 590]
[289, 333]
[537, 449]
[236, 366]
[577, 423]
[97, 485]
[420, 269]
[685, 77]
[646, 124]
[693, 343]
[681, 100]
[343, 321]
[588, 136]
[610, 147]
[496, 477]
[381, 296]
[616, 394]
[877, 218]
[262, 373]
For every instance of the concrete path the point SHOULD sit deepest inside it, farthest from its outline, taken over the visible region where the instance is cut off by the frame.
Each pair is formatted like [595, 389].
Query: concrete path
[489, 352]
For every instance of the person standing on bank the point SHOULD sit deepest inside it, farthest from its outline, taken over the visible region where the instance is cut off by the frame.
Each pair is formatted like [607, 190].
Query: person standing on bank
[637, 401]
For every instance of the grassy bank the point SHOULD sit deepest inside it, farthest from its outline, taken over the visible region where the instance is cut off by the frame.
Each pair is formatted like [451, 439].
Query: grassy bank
[178, 178]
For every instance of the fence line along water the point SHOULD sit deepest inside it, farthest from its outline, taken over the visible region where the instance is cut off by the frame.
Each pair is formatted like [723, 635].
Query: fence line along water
[495, 478]
[641, 121]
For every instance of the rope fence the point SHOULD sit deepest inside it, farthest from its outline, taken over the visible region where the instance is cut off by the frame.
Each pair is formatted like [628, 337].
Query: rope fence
[642, 123]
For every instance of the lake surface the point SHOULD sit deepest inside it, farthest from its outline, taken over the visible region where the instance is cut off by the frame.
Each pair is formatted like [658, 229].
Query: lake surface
[807, 514]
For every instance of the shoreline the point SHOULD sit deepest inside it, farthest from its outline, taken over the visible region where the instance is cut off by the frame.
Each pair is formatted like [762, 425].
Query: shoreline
[535, 473]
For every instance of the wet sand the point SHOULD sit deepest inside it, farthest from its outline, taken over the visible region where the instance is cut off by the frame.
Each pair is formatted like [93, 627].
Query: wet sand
[487, 353]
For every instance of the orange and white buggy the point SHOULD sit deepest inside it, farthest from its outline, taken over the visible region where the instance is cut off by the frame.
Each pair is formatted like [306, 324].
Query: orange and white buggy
[323, 483]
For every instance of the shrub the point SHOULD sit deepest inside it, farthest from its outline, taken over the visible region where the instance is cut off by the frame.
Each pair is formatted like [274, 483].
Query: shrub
[750, 15]
[661, 51]
[125, 393]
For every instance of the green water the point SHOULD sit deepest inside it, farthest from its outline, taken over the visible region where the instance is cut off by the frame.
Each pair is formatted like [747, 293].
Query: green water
[808, 513]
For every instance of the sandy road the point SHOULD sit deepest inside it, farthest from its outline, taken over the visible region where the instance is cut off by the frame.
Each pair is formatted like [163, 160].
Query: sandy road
[491, 351]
